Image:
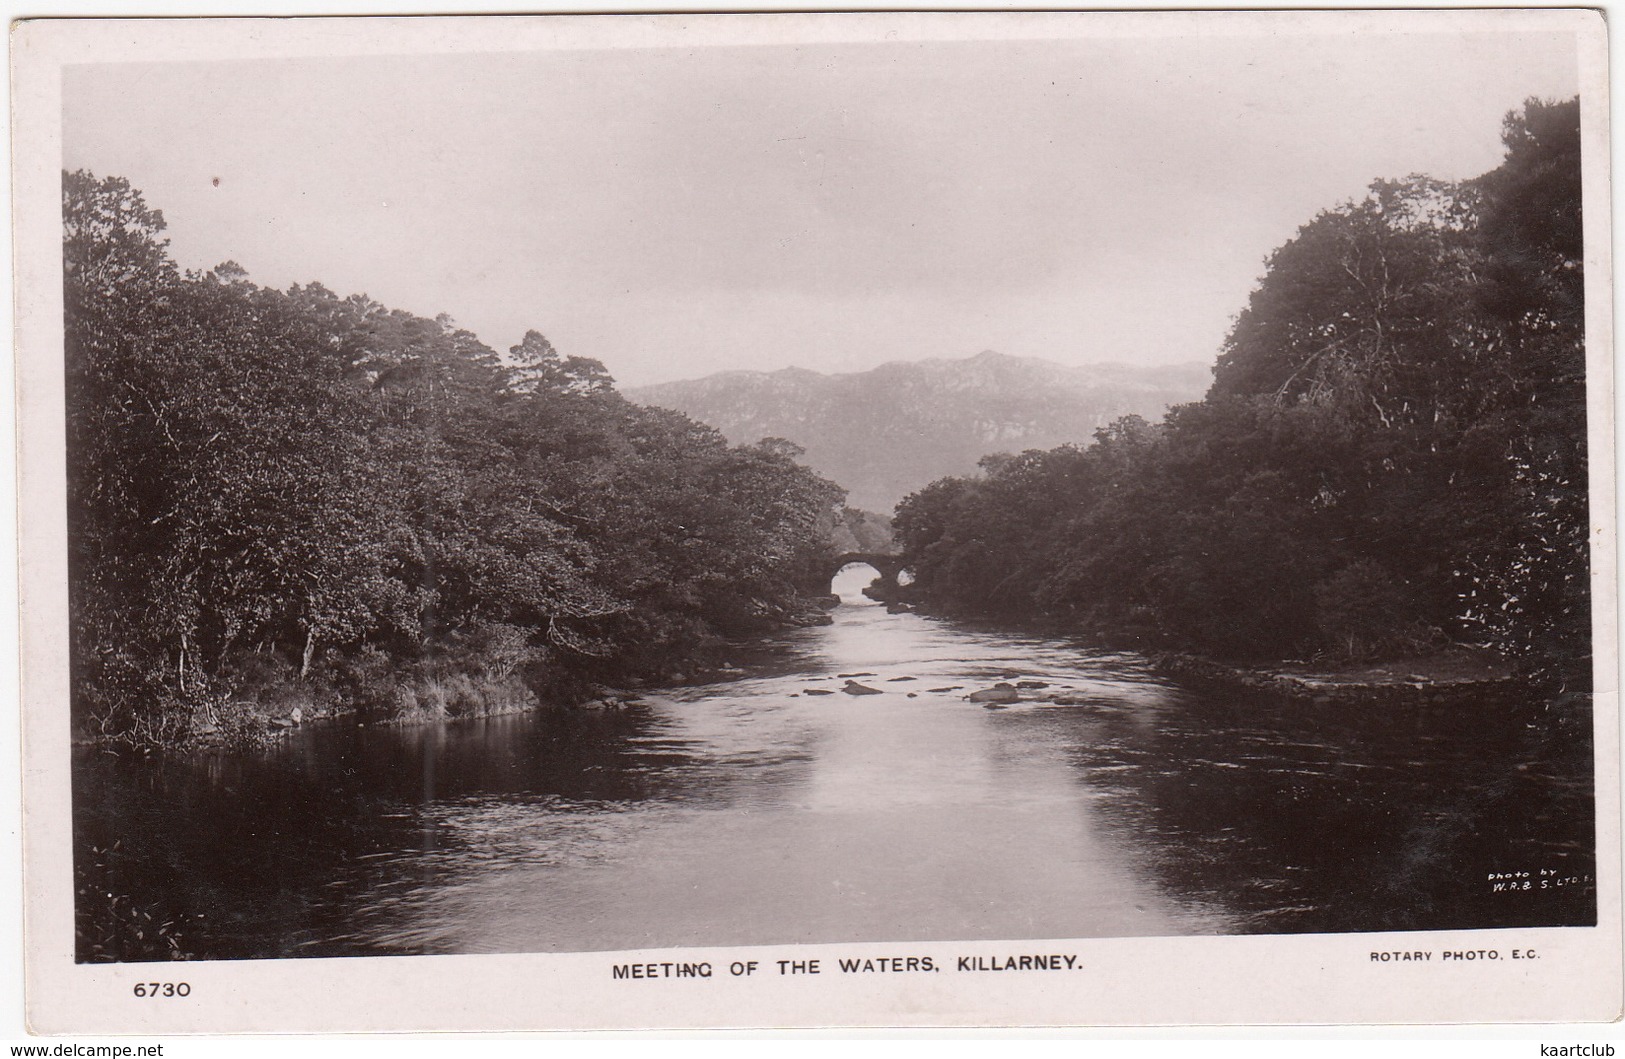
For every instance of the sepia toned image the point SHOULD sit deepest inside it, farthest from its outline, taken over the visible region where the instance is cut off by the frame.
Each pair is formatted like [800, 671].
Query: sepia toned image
[898, 500]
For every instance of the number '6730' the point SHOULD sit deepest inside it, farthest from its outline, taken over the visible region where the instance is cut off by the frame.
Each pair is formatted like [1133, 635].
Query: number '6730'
[159, 989]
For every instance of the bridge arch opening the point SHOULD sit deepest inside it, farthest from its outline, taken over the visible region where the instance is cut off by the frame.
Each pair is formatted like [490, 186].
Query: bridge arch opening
[850, 581]
[886, 568]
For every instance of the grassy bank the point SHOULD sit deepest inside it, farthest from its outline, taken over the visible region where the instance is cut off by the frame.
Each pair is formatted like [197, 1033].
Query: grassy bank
[263, 695]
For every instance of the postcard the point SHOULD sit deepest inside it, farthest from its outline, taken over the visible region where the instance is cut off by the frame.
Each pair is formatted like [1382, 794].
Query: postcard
[817, 520]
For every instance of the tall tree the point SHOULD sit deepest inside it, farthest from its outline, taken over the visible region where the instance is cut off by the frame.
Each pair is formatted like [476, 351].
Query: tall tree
[324, 481]
[1393, 448]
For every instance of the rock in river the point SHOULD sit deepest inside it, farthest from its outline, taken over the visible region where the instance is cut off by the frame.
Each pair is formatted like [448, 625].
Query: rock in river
[1000, 692]
[854, 688]
[816, 691]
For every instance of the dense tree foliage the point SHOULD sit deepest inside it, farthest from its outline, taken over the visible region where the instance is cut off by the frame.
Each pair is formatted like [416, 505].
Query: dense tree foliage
[273, 487]
[1393, 451]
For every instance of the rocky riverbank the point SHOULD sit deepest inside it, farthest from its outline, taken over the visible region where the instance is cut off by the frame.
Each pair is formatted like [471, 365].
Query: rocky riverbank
[280, 712]
[259, 707]
[1456, 679]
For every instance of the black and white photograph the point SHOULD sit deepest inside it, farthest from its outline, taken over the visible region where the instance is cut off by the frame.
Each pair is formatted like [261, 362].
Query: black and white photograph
[900, 504]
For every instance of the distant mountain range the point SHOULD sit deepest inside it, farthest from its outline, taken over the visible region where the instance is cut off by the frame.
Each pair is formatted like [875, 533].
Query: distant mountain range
[885, 433]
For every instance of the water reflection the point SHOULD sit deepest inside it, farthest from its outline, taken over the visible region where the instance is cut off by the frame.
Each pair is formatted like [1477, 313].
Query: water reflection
[755, 812]
[1302, 820]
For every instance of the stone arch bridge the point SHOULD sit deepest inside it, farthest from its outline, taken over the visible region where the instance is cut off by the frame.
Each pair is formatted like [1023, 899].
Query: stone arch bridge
[888, 566]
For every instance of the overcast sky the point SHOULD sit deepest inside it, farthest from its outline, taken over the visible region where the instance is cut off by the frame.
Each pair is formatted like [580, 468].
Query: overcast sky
[678, 212]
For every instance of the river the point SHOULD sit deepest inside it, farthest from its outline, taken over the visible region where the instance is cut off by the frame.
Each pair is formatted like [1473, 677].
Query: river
[749, 811]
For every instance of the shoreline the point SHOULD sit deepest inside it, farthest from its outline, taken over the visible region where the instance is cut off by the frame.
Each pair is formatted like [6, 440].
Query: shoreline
[253, 730]
[1454, 677]
[1400, 684]
[1459, 679]
[252, 727]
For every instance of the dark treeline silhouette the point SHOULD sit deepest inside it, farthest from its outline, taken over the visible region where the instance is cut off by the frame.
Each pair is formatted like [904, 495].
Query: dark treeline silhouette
[1392, 454]
[285, 499]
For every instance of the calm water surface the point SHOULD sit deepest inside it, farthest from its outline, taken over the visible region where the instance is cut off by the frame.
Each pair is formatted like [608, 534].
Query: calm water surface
[751, 812]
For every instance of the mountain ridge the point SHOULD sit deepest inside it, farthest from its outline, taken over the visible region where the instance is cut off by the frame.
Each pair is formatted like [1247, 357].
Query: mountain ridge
[886, 432]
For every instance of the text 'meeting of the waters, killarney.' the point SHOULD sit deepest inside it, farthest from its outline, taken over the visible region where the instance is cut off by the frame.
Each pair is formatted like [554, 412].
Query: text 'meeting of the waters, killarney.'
[848, 965]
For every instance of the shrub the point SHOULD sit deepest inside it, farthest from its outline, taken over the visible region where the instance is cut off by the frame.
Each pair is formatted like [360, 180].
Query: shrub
[1363, 612]
[368, 680]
